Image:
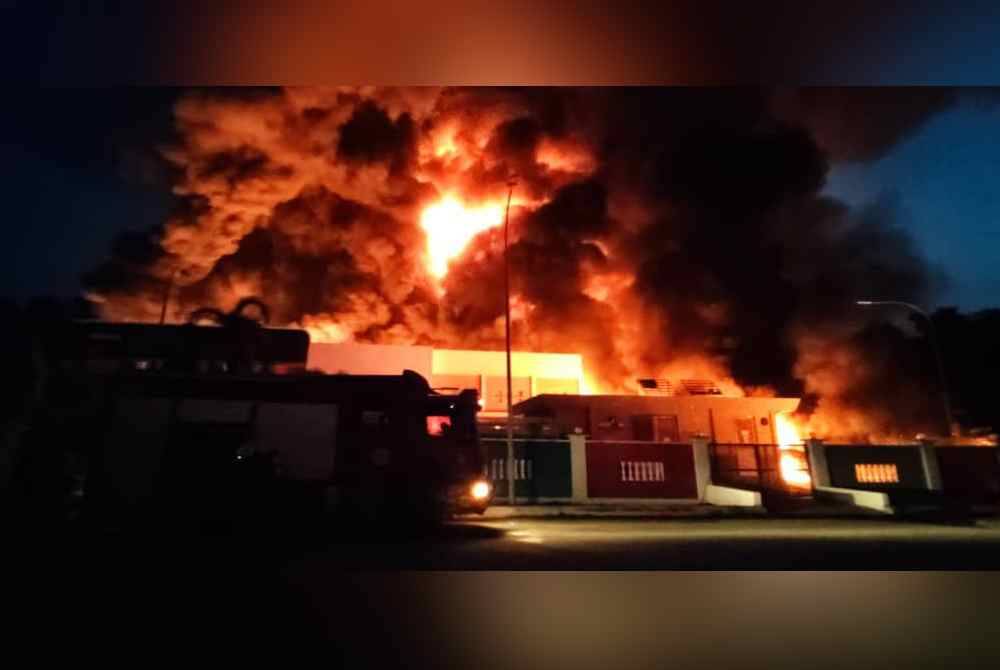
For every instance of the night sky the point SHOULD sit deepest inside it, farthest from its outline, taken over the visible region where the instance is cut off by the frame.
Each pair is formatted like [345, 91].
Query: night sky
[945, 180]
[70, 184]
[75, 176]
[70, 156]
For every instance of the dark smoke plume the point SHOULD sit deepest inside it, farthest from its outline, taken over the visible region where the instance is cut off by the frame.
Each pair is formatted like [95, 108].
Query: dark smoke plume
[656, 231]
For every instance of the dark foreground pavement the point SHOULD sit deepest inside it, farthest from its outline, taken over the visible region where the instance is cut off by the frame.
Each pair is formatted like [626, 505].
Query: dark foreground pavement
[694, 543]
[296, 584]
[82, 590]
[677, 544]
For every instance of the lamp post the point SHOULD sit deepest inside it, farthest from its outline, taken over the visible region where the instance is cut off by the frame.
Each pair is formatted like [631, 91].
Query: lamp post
[166, 295]
[506, 284]
[945, 397]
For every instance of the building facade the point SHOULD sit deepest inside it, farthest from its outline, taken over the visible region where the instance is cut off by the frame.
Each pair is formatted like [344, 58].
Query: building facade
[532, 374]
[671, 419]
[549, 395]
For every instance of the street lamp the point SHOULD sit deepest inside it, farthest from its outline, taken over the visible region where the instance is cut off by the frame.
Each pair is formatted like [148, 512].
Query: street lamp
[945, 397]
[166, 294]
[506, 279]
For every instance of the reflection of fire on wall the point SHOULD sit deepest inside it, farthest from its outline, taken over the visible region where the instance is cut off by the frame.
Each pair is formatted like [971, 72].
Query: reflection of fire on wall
[486, 371]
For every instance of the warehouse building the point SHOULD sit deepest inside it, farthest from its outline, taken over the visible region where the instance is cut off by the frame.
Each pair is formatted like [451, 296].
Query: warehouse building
[548, 395]
[532, 374]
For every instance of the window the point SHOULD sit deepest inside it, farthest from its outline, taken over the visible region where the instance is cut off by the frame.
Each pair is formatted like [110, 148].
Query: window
[651, 428]
[642, 471]
[642, 428]
[496, 392]
[876, 473]
[451, 419]
[438, 425]
[666, 429]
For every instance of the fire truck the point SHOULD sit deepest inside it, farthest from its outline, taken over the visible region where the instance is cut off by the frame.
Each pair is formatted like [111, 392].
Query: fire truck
[209, 419]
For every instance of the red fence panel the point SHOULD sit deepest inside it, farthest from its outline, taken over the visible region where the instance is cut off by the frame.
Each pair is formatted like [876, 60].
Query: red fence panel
[640, 470]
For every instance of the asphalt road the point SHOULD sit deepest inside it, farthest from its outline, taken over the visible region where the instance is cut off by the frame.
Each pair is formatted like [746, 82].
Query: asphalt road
[296, 584]
[549, 544]
[683, 544]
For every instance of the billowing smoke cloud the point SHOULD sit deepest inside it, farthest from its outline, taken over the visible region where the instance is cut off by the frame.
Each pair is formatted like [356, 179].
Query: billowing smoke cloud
[862, 124]
[677, 232]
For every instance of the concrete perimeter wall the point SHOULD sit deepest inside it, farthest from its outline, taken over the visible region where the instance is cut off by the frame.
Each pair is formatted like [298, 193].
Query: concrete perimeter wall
[971, 473]
[578, 470]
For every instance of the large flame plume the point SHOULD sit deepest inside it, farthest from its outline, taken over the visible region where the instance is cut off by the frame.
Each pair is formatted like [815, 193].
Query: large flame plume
[450, 226]
[660, 233]
[792, 455]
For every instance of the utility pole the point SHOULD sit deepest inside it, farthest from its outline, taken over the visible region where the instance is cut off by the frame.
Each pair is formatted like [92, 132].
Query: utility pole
[506, 283]
[166, 293]
[166, 297]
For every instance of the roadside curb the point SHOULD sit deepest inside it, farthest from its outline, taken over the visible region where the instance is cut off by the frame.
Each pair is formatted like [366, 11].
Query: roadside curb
[584, 512]
[503, 512]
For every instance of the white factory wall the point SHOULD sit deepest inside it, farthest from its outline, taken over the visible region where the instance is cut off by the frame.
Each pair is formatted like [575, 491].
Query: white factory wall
[485, 371]
[369, 359]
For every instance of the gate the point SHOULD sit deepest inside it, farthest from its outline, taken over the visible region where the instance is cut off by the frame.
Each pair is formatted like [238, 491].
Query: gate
[758, 467]
[541, 468]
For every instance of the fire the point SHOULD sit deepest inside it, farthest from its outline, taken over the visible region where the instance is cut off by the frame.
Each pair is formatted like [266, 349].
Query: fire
[325, 331]
[786, 431]
[602, 286]
[792, 461]
[450, 226]
[446, 145]
[589, 385]
[566, 157]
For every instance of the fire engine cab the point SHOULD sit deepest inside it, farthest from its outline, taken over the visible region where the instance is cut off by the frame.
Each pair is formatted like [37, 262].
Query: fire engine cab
[185, 422]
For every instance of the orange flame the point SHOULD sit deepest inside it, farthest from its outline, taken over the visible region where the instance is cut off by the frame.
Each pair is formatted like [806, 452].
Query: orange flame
[792, 461]
[450, 226]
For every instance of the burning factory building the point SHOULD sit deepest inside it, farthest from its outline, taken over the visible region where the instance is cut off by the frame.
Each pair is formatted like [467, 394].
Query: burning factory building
[551, 396]
[653, 234]
[451, 369]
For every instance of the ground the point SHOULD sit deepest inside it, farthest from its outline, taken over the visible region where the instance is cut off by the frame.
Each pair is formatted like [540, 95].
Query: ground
[682, 544]
[473, 543]
[297, 584]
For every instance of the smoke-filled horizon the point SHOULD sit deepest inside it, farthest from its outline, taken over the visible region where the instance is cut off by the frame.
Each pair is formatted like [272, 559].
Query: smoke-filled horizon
[658, 232]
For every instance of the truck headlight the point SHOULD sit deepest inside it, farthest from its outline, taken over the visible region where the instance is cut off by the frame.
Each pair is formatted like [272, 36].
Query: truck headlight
[480, 490]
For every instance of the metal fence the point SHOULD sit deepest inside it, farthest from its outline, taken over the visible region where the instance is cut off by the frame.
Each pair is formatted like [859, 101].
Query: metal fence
[759, 467]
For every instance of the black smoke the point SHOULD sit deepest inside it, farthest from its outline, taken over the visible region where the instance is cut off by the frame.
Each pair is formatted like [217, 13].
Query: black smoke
[370, 136]
[709, 201]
